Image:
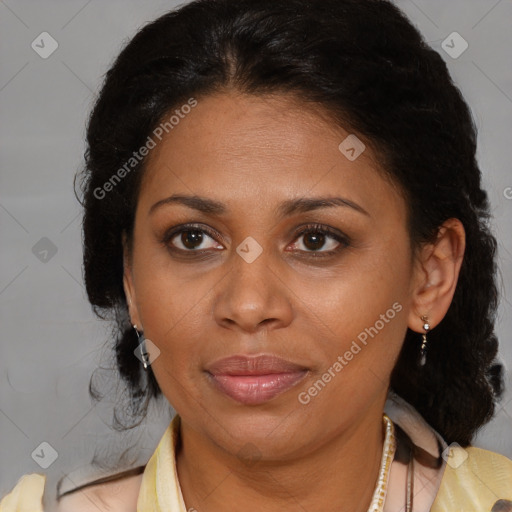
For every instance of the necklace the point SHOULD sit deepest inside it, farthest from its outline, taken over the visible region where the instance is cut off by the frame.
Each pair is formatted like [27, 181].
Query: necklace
[388, 452]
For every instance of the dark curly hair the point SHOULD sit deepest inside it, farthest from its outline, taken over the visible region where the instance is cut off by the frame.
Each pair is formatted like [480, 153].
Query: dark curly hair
[364, 63]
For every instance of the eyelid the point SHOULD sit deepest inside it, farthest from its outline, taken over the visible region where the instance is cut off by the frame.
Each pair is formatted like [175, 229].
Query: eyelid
[175, 230]
[337, 235]
[313, 227]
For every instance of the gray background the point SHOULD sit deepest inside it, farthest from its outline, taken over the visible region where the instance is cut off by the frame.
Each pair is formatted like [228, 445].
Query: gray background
[50, 340]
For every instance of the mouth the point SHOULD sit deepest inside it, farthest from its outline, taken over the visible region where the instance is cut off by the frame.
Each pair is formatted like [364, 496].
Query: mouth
[254, 380]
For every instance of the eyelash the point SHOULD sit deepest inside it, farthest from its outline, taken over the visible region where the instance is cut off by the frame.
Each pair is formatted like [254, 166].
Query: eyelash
[304, 230]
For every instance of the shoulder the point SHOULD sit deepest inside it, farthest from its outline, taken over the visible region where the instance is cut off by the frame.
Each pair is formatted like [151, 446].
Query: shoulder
[474, 476]
[118, 494]
[27, 494]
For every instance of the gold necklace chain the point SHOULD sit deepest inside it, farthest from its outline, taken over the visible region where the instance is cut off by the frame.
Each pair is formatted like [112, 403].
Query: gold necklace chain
[388, 452]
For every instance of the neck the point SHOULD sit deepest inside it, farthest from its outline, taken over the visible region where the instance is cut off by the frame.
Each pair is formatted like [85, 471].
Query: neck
[339, 475]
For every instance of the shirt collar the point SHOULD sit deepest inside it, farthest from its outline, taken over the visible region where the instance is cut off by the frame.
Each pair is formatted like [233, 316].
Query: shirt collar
[160, 489]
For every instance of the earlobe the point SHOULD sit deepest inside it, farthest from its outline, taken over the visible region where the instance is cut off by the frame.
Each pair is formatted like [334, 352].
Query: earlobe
[437, 272]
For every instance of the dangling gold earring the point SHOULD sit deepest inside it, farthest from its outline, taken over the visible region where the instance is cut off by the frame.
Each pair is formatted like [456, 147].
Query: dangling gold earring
[423, 349]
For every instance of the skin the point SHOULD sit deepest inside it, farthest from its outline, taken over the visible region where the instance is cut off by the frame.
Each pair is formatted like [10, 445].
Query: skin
[252, 153]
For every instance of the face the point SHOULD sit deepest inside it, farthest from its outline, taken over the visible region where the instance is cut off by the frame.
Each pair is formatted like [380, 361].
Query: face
[257, 265]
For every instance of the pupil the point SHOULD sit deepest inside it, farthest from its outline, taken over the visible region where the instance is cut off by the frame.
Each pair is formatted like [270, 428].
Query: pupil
[316, 238]
[189, 238]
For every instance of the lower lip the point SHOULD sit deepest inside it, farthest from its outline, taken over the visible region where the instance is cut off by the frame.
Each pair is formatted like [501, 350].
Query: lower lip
[256, 389]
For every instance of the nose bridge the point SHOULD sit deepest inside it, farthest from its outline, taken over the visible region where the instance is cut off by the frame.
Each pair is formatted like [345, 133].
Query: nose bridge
[250, 294]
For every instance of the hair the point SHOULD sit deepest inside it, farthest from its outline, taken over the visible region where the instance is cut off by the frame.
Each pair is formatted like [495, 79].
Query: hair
[364, 63]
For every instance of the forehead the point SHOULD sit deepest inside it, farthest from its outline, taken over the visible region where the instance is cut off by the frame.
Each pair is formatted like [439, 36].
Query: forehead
[239, 125]
[260, 146]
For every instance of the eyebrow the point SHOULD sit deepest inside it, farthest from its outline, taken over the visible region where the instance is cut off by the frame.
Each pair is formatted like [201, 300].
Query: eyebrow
[286, 208]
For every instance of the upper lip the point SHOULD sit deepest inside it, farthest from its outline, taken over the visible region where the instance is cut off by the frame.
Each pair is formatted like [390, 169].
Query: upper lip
[253, 365]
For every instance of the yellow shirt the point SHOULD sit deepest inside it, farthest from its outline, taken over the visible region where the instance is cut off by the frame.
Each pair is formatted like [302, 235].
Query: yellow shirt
[473, 481]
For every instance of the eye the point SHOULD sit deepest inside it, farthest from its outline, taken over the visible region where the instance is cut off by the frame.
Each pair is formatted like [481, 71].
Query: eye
[190, 238]
[316, 237]
[317, 240]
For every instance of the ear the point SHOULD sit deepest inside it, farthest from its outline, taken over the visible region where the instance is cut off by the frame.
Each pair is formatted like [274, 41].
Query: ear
[129, 289]
[436, 273]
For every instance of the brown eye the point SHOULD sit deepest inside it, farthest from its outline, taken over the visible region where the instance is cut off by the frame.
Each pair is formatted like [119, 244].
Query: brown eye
[314, 241]
[315, 238]
[190, 239]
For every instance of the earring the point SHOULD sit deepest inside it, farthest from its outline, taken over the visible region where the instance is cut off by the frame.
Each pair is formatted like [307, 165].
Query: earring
[423, 349]
[143, 350]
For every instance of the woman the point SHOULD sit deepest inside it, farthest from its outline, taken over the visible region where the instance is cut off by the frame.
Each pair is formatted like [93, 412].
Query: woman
[284, 215]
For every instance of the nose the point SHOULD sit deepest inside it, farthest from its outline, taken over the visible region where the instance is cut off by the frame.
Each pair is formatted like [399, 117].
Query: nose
[252, 296]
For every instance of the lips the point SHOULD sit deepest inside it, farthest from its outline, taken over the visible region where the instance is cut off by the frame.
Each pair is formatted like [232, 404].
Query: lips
[253, 380]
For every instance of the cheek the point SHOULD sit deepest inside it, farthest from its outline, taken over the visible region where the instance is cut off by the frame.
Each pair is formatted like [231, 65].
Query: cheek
[165, 302]
[364, 310]
[172, 311]
[166, 295]
[173, 314]
[367, 286]
[366, 330]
